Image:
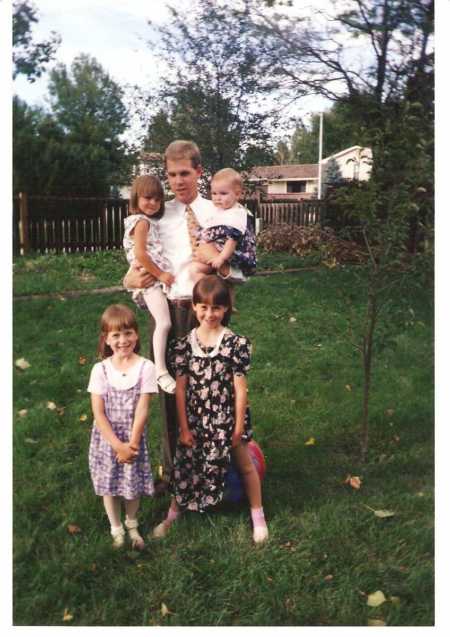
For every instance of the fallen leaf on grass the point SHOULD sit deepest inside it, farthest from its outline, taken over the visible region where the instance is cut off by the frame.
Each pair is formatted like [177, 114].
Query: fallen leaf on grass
[353, 481]
[381, 513]
[83, 417]
[376, 599]
[82, 360]
[67, 617]
[73, 529]
[31, 441]
[165, 611]
[21, 363]
[389, 412]
[376, 622]
[348, 387]
[22, 412]
[328, 578]
[51, 405]
[310, 441]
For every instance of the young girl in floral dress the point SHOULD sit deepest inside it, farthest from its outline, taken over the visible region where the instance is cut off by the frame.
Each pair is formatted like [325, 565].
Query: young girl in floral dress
[120, 386]
[142, 245]
[211, 364]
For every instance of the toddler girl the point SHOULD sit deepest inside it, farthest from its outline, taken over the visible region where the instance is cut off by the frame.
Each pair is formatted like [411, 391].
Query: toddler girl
[211, 363]
[226, 244]
[142, 245]
[120, 386]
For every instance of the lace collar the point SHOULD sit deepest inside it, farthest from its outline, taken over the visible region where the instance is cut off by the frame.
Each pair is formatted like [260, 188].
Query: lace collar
[197, 349]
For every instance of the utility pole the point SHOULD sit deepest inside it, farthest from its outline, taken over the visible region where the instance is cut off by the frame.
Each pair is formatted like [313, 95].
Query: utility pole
[319, 177]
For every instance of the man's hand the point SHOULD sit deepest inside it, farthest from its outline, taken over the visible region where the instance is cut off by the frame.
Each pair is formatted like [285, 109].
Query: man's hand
[217, 263]
[167, 278]
[138, 278]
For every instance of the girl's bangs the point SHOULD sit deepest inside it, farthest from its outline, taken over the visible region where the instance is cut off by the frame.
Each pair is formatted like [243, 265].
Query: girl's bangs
[117, 323]
[147, 189]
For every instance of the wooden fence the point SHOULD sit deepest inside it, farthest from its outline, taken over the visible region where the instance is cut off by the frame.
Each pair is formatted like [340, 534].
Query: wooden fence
[76, 224]
[301, 213]
[86, 224]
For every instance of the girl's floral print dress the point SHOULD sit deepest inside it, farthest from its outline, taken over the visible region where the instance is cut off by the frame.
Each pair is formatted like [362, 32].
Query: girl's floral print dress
[199, 471]
[244, 256]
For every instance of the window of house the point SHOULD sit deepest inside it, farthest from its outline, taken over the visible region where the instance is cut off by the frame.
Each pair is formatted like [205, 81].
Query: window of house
[296, 186]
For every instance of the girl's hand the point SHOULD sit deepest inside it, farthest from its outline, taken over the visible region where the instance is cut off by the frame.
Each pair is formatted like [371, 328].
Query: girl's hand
[186, 438]
[167, 278]
[236, 438]
[126, 453]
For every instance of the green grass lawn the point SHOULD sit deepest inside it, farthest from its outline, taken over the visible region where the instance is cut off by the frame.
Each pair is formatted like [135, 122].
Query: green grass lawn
[328, 550]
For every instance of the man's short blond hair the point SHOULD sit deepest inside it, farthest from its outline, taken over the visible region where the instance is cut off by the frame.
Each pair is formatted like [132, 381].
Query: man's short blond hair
[183, 149]
[230, 175]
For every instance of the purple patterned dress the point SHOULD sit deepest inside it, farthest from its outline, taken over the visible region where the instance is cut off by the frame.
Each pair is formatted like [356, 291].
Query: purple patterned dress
[244, 257]
[109, 476]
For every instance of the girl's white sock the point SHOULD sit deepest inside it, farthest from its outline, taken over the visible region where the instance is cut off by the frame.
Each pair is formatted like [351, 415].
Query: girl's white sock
[258, 518]
[260, 530]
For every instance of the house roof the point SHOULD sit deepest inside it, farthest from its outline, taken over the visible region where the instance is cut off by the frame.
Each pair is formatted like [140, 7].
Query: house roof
[148, 157]
[285, 172]
[346, 151]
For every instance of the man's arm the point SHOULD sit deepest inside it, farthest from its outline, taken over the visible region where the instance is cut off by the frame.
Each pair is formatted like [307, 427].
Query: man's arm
[137, 278]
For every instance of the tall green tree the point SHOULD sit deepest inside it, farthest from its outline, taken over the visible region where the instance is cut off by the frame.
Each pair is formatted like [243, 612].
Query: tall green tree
[310, 55]
[215, 94]
[38, 150]
[76, 148]
[88, 106]
[30, 57]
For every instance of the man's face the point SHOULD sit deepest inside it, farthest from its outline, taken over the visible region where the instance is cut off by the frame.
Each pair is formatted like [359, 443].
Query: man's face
[183, 178]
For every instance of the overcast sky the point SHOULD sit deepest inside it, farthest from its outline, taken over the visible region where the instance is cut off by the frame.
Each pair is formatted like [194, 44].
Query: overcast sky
[116, 33]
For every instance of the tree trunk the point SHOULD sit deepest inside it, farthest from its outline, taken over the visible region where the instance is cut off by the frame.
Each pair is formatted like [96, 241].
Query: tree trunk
[367, 365]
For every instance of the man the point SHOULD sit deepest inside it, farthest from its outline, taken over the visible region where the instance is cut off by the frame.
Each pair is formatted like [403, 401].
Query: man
[178, 233]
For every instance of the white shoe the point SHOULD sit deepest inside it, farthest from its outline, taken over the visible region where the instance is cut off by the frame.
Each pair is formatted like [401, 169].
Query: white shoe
[118, 535]
[137, 541]
[260, 534]
[234, 275]
[167, 383]
[160, 530]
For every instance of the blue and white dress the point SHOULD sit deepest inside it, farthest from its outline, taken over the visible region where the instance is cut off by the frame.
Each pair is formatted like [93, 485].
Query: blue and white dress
[120, 395]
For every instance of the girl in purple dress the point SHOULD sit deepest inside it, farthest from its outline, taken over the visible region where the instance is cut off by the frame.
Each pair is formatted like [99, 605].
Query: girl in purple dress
[120, 387]
[211, 364]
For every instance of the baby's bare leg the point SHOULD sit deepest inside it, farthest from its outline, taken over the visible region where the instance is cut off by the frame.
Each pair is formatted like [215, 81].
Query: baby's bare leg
[206, 251]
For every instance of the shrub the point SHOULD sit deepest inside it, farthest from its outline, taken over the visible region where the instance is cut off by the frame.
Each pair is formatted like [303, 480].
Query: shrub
[306, 240]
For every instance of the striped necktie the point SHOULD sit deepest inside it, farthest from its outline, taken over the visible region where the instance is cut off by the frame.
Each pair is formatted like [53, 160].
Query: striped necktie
[193, 227]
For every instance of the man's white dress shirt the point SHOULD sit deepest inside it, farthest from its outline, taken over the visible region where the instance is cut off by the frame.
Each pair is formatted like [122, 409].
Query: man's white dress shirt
[176, 243]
